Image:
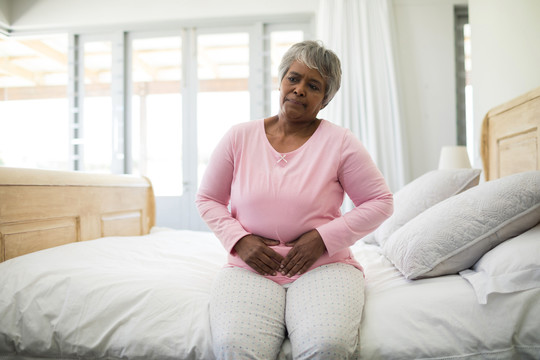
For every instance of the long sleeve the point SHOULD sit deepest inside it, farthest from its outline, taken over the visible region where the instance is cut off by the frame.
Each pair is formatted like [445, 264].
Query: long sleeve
[215, 192]
[366, 187]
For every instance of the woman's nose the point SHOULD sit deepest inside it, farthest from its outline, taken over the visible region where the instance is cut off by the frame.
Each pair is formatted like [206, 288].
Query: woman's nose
[300, 90]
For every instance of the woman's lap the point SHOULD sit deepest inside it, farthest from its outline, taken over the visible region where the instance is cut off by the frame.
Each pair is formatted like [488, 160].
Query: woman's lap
[321, 311]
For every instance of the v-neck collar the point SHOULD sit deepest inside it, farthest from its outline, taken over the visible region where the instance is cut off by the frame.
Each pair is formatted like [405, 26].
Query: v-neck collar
[290, 153]
[283, 159]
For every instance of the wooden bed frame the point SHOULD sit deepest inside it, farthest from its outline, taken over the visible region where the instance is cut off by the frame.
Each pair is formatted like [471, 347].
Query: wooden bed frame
[40, 209]
[511, 137]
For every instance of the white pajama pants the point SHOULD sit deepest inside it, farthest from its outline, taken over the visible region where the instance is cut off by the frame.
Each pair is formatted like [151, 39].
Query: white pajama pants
[320, 312]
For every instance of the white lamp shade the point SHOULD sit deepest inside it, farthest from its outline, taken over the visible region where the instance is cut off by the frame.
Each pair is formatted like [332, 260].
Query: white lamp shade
[454, 157]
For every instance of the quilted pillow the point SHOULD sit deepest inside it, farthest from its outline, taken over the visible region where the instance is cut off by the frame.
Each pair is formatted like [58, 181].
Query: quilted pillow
[422, 193]
[510, 267]
[452, 235]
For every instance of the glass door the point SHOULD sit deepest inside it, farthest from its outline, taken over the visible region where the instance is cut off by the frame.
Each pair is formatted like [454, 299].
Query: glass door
[96, 109]
[156, 112]
[34, 124]
[156, 123]
[223, 97]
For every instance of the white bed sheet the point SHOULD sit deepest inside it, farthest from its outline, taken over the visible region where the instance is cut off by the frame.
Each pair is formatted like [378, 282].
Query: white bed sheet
[134, 297]
[147, 297]
[440, 318]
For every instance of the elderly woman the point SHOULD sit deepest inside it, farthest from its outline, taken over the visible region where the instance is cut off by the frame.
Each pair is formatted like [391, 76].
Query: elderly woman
[290, 271]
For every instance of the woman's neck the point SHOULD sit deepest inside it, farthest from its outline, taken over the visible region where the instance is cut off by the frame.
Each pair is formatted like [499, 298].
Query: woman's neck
[286, 136]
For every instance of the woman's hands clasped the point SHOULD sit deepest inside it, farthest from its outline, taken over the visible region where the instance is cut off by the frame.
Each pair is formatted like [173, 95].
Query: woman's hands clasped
[256, 252]
[305, 251]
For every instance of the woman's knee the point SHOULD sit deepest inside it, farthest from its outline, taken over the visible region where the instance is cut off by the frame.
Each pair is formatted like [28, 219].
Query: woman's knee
[333, 348]
[246, 316]
[231, 345]
[323, 344]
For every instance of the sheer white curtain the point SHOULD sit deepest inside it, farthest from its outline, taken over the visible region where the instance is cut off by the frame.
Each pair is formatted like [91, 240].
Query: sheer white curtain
[361, 32]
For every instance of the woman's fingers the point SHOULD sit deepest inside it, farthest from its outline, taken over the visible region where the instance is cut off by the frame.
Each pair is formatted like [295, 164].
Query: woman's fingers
[269, 242]
[307, 249]
[264, 265]
[255, 252]
[297, 264]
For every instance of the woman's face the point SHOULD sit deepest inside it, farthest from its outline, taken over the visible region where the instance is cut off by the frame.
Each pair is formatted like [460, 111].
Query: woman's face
[301, 93]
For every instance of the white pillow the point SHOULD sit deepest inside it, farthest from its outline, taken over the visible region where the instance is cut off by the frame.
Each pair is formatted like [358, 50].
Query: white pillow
[511, 266]
[452, 235]
[422, 193]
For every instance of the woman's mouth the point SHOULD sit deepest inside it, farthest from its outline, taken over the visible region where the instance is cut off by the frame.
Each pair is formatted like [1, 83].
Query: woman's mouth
[295, 102]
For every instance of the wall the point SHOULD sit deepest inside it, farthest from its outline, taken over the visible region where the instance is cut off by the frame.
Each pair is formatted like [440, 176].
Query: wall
[505, 36]
[5, 6]
[505, 64]
[425, 51]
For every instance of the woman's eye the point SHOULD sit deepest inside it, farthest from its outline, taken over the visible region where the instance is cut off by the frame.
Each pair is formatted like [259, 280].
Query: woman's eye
[314, 87]
[292, 78]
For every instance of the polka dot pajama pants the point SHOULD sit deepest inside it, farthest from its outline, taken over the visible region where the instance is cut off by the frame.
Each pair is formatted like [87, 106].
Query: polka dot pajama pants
[250, 315]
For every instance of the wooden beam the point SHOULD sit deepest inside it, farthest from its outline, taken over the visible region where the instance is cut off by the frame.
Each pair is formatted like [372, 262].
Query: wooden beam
[139, 63]
[46, 51]
[33, 93]
[8, 67]
[216, 85]
[142, 88]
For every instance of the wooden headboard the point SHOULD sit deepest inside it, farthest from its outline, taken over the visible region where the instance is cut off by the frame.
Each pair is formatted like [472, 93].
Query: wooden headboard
[40, 209]
[511, 137]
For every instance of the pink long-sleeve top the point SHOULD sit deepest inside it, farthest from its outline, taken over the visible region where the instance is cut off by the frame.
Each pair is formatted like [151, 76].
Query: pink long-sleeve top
[282, 196]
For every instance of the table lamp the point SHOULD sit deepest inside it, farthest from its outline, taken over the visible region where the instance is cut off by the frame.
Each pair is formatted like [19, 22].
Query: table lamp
[454, 157]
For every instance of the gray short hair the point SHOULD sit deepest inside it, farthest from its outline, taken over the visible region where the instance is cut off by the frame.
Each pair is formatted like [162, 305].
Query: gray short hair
[315, 56]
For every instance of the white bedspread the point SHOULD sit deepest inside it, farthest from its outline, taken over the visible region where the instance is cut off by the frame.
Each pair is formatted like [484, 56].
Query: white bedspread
[147, 298]
[440, 318]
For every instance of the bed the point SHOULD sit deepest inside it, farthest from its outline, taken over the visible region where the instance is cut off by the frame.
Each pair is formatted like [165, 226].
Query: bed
[453, 274]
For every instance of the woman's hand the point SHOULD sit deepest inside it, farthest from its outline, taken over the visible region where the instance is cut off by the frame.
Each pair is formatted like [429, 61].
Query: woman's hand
[255, 252]
[305, 251]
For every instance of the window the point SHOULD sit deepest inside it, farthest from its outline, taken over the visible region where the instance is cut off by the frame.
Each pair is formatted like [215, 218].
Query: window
[223, 98]
[156, 112]
[97, 106]
[34, 124]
